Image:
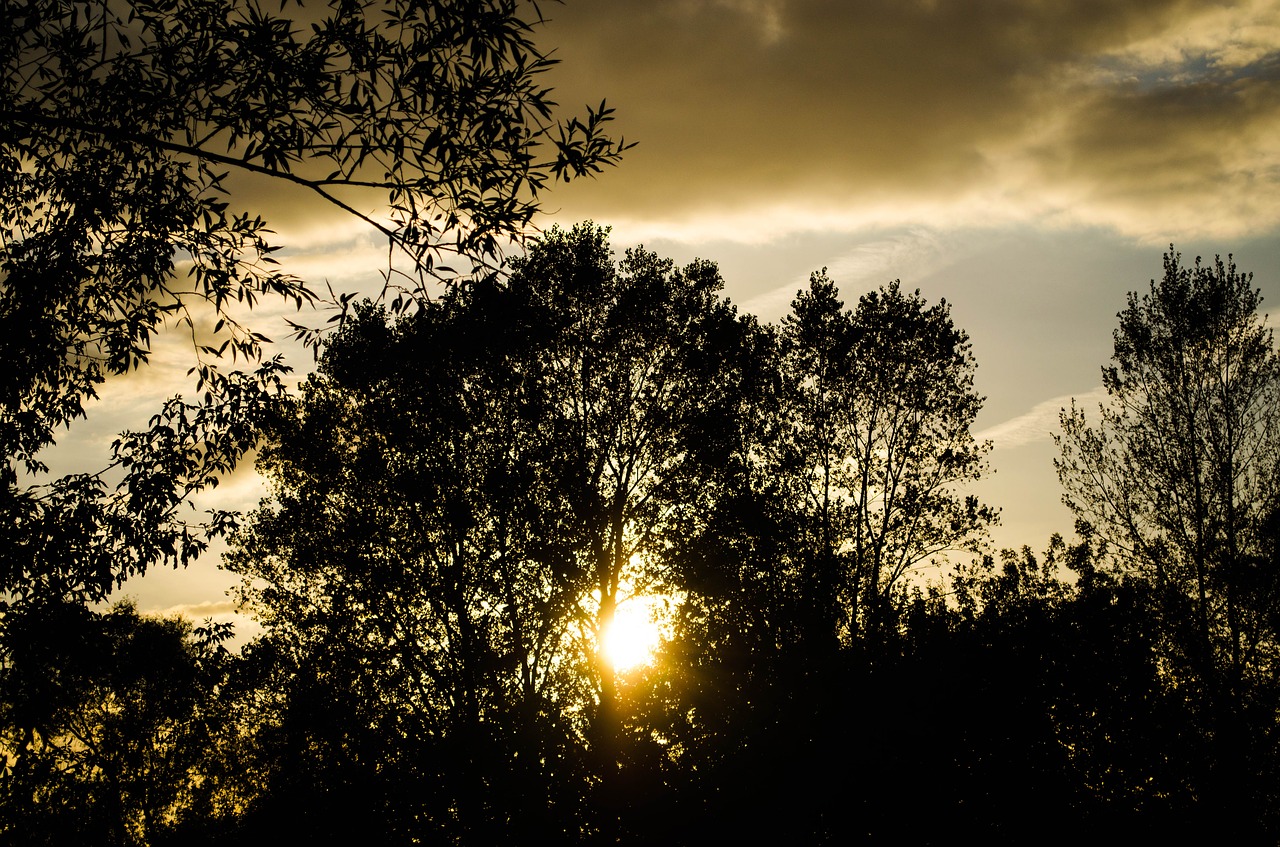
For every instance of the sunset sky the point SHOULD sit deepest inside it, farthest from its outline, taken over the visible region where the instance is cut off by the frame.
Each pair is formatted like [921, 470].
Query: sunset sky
[1027, 160]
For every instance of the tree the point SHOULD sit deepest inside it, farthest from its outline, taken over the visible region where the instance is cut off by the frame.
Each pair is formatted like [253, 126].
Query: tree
[1180, 475]
[842, 469]
[124, 120]
[646, 363]
[412, 578]
[879, 403]
[462, 496]
[637, 355]
[1058, 707]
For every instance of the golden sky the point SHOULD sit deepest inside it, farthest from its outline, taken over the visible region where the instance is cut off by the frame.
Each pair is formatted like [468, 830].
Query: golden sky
[1027, 160]
[1153, 118]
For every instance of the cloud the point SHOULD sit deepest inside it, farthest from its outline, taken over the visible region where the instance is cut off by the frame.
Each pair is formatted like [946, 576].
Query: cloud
[238, 491]
[200, 611]
[1040, 423]
[245, 628]
[756, 118]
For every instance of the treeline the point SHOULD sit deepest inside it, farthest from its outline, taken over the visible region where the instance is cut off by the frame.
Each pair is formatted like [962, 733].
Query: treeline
[463, 495]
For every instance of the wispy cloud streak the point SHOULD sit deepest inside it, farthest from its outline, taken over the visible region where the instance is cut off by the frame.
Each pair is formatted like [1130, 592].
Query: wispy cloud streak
[1040, 423]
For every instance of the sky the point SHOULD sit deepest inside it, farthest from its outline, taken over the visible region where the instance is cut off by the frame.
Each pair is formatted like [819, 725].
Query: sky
[1027, 160]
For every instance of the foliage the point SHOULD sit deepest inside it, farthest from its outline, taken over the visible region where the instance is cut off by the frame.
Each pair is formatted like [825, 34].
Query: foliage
[637, 356]
[463, 495]
[137, 136]
[109, 720]
[1180, 476]
[879, 402]
[768, 676]
[125, 120]
[400, 570]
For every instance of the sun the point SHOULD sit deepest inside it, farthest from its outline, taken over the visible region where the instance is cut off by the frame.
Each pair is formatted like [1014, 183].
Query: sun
[633, 635]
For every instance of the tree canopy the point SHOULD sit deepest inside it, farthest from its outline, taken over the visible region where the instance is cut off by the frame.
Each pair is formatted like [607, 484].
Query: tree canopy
[467, 497]
[464, 495]
[880, 403]
[1180, 475]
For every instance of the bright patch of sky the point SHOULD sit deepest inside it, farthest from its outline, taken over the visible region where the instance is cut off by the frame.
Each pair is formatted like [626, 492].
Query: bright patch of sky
[1028, 161]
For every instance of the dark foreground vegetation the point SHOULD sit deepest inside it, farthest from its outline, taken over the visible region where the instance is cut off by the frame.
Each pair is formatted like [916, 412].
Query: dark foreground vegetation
[491, 462]
[462, 496]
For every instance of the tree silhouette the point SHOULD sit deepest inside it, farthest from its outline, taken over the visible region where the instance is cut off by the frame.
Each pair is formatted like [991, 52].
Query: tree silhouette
[639, 386]
[139, 137]
[1180, 476]
[462, 497]
[848, 444]
[110, 719]
[410, 563]
[879, 401]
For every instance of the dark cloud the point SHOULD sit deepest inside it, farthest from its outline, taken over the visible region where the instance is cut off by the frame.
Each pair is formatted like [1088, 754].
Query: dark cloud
[1204, 155]
[1020, 108]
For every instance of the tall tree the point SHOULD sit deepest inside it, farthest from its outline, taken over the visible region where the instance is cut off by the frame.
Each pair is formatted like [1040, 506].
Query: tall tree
[637, 355]
[123, 121]
[879, 403]
[847, 452]
[1180, 474]
[411, 562]
[462, 498]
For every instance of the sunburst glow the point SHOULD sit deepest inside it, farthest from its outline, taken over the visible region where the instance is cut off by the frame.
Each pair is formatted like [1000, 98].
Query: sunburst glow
[633, 635]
